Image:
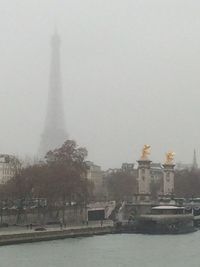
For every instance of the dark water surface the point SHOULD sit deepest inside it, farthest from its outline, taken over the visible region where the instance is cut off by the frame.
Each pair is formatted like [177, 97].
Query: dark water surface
[127, 250]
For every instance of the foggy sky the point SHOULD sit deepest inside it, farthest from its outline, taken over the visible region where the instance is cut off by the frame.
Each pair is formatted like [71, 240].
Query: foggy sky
[130, 73]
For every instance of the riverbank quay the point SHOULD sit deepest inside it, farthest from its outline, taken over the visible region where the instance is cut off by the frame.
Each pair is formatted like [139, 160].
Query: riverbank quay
[30, 236]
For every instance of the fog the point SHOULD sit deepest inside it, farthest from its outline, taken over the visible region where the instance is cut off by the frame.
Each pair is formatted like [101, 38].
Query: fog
[130, 74]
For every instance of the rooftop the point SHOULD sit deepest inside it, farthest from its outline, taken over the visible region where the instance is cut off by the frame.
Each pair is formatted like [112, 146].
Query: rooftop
[167, 208]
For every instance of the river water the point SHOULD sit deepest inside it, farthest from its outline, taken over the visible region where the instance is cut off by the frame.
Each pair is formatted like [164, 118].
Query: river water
[127, 250]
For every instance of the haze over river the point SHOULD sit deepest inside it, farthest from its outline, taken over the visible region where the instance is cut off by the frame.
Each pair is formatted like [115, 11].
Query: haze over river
[127, 250]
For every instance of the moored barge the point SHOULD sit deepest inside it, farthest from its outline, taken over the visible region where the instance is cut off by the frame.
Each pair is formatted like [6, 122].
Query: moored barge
[166, 220]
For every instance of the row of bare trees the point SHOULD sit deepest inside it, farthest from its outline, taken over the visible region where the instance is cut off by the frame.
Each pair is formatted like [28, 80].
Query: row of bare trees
[60, 178]
[187, 183]
[123, 185]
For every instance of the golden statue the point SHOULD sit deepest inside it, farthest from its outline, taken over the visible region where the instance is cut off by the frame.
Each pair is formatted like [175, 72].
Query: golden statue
[145, 152]
[169, 157]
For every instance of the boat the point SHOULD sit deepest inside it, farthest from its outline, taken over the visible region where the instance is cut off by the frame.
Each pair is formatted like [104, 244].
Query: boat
[166, 220]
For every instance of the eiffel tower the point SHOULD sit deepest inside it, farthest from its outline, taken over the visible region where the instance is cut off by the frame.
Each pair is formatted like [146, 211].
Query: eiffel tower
[54, 133]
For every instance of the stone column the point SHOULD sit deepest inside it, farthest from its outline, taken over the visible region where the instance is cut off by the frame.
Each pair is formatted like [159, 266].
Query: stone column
[144, 177]
[168, 179]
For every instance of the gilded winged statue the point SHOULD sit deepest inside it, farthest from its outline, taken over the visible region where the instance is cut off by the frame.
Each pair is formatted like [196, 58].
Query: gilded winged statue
[169, 157]
[145, 152]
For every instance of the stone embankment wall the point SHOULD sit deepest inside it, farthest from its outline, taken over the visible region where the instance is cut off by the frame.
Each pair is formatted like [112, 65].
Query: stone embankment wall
[72, 215]
[28, 237]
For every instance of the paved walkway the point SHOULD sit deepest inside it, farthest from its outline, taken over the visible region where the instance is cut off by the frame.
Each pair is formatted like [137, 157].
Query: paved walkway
[23, 229]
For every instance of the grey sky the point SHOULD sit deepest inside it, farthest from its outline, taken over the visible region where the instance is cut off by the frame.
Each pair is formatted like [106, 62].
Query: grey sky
[130, 72]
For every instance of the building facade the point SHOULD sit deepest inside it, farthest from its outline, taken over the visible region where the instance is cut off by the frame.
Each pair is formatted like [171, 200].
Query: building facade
[95, 175]
[9, 165]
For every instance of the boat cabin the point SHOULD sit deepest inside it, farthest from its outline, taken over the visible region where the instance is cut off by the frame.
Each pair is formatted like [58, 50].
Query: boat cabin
[167, 210]
[166, 220]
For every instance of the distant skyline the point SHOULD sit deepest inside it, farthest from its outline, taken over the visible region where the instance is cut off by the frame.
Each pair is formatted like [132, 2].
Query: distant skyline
[130, 74]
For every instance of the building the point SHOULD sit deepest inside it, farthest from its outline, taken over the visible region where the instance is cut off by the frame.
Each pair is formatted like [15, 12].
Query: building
[54, 133]
[183, 166]
[128, 167]
[95, 174]
[156, 171]
[9, 165]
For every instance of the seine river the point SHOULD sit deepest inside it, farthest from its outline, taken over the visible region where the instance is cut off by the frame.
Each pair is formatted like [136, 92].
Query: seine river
[127, 250]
